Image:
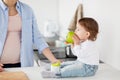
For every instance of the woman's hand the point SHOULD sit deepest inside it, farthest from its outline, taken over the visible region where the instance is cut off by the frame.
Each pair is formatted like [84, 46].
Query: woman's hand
[49, 55]
[1, 68]
[57, 60]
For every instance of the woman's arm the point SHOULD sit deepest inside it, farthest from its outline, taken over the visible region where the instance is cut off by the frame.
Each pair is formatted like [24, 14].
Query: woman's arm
[40, 43]
[1, 69]
[48, 54]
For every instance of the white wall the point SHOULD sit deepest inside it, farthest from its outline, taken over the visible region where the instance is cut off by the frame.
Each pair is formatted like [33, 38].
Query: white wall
[107, 13]
[66, 12]
[44, 10]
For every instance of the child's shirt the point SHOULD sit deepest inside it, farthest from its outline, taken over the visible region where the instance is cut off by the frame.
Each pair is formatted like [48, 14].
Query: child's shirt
[87, 52]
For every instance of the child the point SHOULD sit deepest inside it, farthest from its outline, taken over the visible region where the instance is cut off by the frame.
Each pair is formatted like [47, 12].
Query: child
[84, 48]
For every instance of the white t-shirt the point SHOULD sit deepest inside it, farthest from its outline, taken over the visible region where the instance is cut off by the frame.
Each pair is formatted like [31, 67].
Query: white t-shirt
[87, 53]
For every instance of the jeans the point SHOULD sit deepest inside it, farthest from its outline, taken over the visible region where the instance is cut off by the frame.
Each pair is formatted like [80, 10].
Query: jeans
[76, 68]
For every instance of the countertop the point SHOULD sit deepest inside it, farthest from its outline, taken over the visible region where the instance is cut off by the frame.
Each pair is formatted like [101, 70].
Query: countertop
[105, 72]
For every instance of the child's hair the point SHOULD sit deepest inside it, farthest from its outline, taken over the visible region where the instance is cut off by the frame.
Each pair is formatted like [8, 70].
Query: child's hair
[91, 26]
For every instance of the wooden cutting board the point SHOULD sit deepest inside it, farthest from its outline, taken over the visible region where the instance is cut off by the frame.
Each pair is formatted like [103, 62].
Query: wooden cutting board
[13, 76]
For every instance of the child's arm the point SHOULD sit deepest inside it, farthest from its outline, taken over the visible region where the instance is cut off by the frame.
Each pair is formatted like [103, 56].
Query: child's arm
[72, 46]
[76, 40]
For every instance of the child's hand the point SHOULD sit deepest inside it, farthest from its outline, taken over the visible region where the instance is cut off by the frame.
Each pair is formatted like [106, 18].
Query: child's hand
[57, 60]
[76, 39]
[72, 45]
[66, 42]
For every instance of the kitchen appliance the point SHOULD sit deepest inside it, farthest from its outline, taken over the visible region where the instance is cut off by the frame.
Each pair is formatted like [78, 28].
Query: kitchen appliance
[50, 28]
[69, 53]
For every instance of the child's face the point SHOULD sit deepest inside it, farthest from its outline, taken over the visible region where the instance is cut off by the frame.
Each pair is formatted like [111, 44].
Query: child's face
[81, 32]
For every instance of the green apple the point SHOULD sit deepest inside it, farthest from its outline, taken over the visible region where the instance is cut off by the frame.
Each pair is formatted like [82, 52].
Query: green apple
[69, 37]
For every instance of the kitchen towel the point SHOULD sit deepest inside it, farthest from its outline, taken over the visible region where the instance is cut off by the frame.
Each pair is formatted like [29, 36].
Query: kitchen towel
[78, 15]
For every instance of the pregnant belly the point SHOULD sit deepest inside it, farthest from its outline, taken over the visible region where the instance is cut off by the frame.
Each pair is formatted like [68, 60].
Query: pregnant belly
[11, 49]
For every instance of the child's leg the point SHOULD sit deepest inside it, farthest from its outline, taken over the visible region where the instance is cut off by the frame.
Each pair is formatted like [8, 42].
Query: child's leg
[75, 70]
[78, 69]
[63, 64]
[90, 69]
[72, 70]
[49, 74]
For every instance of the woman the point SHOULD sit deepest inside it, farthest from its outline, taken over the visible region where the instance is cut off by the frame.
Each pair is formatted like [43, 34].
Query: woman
[18, 33]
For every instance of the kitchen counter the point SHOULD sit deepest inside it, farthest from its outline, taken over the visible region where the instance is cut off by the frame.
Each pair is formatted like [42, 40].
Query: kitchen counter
[105, 72]
[33, 73]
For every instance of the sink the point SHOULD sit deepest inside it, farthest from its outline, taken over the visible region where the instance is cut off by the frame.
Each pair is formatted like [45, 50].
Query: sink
[58, 52]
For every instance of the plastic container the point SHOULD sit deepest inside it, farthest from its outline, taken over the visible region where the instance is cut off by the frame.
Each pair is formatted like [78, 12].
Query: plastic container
[69, 37]
[55, 67]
